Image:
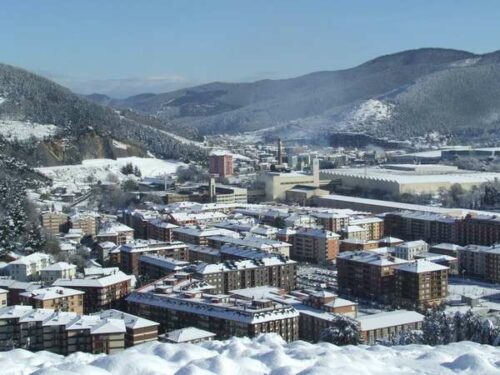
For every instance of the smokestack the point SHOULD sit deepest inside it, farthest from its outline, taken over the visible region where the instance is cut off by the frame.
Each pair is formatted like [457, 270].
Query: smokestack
[211, 189]
[280, 154]
[315, 171]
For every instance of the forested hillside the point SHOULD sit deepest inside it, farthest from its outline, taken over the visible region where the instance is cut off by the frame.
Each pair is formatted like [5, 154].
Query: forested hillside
[46, 124]
[398, 95]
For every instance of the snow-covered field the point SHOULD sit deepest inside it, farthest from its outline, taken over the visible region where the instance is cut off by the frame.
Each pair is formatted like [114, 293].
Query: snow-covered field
[267, 354]
[75, 177]
[11, 129]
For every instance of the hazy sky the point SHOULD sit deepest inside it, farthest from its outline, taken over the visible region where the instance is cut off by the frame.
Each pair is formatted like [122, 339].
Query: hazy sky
[122, 47]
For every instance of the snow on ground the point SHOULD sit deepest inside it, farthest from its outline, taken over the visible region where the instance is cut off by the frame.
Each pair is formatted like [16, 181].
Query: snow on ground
[78, 176]
[371, 110]
[12, 129]
[2, 99]
[267, 354]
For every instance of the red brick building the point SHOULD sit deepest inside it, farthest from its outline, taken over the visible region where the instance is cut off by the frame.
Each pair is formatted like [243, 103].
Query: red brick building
[220, 164]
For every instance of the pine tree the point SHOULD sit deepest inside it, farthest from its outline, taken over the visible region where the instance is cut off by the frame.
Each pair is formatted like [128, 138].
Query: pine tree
[342, 331]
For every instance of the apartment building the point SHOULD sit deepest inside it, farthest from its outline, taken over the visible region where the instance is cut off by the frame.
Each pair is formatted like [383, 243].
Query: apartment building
[421, 284]
[59, 270]
[411, 249]
[204, 254]
[59, 332]
[332, 221]
[368, 274]
[427, 226]
[55, 298]
[28, 268]
[196, 218]
[138, 220]
[104, 250]
[160, 230]
[481, 262]
[198, 235]
[221, 164]
[446, 249]
[354, 232]
[137, 330]
[132, 251]
[15, 288]
[154, 267]
[102, 291]
[184, 304]
[358, 245]
[252, 242]
[314, 245]
[272, 271]
[374, 226]
[115, 232]
[87, 222]
[479, 229]
[52, 221]
[317, 308]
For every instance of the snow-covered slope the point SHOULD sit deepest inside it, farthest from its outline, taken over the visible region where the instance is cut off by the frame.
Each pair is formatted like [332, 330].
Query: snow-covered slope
[22, 130]
[267, 354]
[74, 177]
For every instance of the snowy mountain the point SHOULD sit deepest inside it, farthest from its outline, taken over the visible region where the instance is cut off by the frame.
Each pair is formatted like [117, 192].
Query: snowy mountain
[404, 94]
[267, 354]
[44, 123]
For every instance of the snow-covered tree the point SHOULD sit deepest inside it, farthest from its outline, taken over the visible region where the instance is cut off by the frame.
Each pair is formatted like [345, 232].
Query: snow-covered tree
[342, 331]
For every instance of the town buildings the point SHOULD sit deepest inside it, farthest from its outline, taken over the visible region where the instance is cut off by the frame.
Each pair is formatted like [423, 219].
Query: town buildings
[59, 270]
[102, 290]
[220, 163]
[382, 326]
[177, 304]
[67, 332]
[482, 262]
[421, 284]
[28, 268]
[368, 275]
[314, 245]
[55, 298]
[271, 271]
[132, 251]
[115, 232]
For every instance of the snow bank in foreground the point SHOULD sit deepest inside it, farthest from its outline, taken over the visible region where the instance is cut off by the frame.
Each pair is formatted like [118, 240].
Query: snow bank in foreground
[267, 354]
[92, 170]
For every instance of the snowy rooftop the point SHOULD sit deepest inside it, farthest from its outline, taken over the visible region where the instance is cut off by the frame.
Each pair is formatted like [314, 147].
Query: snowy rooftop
[188, 334]
[140, 245]
[131, 321]
[44, 294]
[228, 266]
[94, 282]
[421, 266]
[205, 232]
[253, 242]
[217, 306]
[60, 266]
[388, 319]
[32, 258]
[164, 262]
